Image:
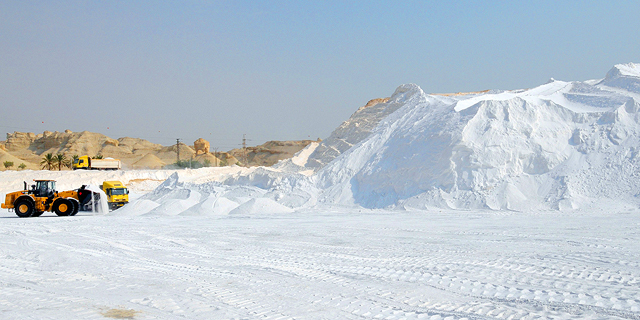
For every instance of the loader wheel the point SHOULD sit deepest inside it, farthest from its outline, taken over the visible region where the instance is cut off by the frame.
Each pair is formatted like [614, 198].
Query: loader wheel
[63, 207]
[24, 208]
[76, 206]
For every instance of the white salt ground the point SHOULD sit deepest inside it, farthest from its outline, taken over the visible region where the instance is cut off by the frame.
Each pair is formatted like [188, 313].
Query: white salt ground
[316, 264]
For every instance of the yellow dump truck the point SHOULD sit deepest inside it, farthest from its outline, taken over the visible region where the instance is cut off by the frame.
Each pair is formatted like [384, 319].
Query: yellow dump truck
[117, 194]
[85, 162]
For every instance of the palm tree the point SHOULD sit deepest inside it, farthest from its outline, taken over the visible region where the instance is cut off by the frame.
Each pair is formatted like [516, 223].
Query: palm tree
[48, 161]
[98, 156]
[61, 160]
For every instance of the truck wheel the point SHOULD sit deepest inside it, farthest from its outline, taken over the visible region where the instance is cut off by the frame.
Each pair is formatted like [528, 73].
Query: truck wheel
[24, 208]
[76, 206]
[63, 207]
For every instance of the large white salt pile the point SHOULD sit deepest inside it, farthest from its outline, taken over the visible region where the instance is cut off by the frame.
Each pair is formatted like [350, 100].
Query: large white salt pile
[562, 145]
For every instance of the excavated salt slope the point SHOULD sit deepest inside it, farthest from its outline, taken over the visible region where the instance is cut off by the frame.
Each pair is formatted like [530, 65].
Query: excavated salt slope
[559, 146]
[562, 145]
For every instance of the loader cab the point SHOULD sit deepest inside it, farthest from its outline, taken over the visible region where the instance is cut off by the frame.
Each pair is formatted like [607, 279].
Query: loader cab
[43, 188]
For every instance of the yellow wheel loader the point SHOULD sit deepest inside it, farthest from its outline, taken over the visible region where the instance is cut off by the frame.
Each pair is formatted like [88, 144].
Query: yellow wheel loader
[40, 198]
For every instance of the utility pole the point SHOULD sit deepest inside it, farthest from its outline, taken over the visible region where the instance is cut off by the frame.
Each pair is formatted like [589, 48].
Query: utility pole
[244, 150]
[178, 149]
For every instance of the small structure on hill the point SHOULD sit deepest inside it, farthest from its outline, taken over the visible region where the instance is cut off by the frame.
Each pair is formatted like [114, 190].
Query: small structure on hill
[201, 145]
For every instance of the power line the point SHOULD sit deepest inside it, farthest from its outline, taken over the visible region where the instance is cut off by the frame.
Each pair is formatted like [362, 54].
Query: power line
[244, 149]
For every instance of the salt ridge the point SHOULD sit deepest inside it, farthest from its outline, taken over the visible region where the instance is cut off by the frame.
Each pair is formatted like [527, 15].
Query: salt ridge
[562, 145]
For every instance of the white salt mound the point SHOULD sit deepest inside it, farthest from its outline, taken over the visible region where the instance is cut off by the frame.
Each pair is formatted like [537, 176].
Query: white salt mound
[562, 145]
[260, 206]
[559, 146]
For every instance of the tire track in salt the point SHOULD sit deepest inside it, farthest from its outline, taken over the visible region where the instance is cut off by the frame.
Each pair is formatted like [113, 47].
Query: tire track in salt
[183, 272]
[487, 290]
[194, 274]
[299, 269]
[479, 266]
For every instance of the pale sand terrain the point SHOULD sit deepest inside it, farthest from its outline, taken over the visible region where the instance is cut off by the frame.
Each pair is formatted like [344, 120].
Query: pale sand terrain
[29, 148]
[5, 156]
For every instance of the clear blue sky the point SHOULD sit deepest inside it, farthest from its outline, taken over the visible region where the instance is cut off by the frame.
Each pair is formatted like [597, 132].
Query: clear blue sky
[281, 70]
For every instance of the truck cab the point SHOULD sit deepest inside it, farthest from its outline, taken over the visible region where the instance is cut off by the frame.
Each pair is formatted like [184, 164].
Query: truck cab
[81, 163]
[117, 194]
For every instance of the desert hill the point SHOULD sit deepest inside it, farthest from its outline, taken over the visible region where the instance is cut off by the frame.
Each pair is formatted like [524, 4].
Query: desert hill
[16, 162]
[135, 153]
